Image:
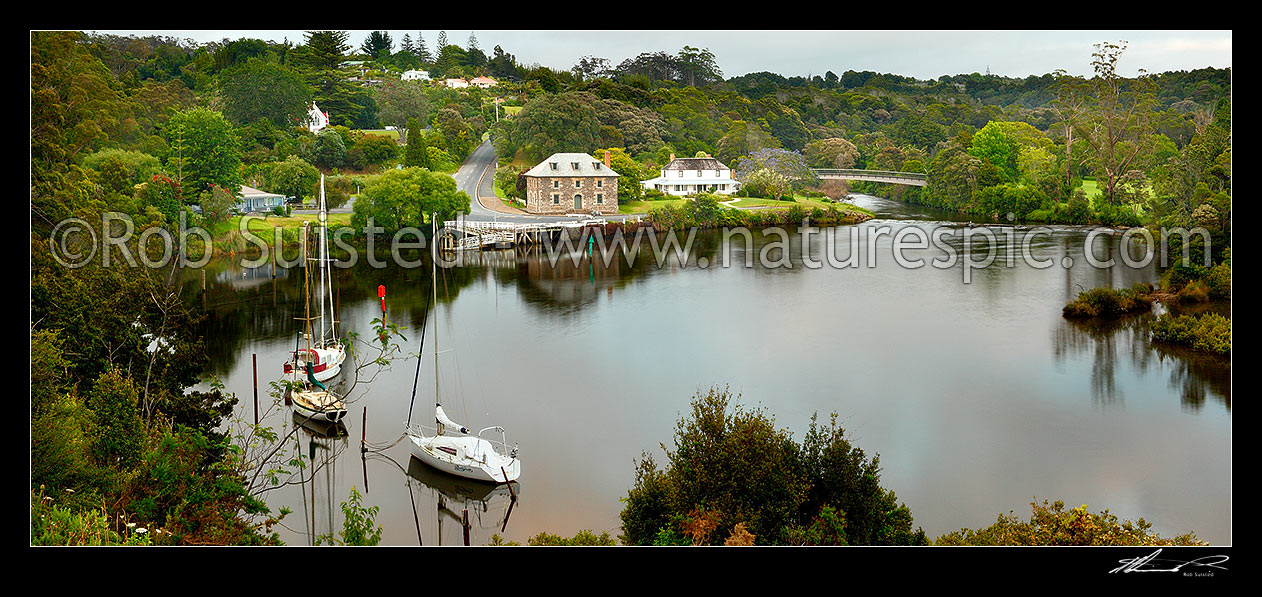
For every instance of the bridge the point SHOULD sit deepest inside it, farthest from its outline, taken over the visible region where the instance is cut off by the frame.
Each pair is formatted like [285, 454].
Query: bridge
[474, 234]
[914, 179]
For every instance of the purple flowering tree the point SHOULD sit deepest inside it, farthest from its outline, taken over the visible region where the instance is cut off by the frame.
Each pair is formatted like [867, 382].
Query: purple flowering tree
[789, 164]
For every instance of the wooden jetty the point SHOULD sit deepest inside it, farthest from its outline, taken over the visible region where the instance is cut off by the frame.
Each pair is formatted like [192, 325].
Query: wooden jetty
[463, 235]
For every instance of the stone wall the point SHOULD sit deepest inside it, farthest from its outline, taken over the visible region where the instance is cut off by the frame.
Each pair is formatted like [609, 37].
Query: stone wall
[540, 189]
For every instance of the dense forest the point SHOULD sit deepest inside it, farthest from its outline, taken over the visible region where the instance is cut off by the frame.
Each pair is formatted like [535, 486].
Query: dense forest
[152, 127]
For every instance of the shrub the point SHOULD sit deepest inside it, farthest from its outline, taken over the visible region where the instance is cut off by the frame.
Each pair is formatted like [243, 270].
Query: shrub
[733, 477]
[1195, 291]
[1051, 524]
[1210, 332]
[1109, 302]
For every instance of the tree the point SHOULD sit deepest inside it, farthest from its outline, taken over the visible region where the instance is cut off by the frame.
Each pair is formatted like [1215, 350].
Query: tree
[216, 204]
[591, 67]
[321, 59]
[422, 53]
[732, 472]
[1000, 143]
[406, 197]
[329, 149]
[1118, 127]
[293, 177]
[1071, 93]
[456, 132]
[473, 42]
[261, 89]
[834, 152]
[565, 122]
[399, 101]
[205, 150]
[378, 149]
[415, 154]
[629, 173]
[377, 45]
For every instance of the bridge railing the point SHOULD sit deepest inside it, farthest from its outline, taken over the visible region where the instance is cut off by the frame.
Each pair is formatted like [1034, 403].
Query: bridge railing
[869, 174]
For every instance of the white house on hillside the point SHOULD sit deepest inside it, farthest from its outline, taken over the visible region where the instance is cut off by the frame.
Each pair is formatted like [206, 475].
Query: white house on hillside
[683, 176]
[416, 75]
[456, 83]
[317, 120]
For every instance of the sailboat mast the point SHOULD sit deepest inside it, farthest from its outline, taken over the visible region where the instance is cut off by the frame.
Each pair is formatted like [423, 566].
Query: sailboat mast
[433, 220]
[323, 217]
[306, 292]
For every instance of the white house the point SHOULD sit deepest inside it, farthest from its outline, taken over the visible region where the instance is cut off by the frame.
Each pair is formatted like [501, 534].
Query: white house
[456, 83]
[416, 75]
[254, 200]
[684, 176]
[317, 120]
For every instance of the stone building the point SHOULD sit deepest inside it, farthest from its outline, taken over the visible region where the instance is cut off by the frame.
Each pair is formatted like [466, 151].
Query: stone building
[569, 183]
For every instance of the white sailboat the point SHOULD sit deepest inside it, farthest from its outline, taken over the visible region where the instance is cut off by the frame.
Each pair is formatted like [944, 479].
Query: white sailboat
[311, 399]
[450, 448]
[328, 353]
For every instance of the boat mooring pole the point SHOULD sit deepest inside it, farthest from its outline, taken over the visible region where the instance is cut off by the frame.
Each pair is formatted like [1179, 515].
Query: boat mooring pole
[465, 523]
[509, 484]
[255, 358]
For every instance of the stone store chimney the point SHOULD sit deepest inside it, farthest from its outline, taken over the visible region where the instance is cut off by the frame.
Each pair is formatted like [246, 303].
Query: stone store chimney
[606, 158]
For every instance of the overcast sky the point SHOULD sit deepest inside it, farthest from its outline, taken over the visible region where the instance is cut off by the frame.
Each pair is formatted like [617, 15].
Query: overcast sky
[920, 54]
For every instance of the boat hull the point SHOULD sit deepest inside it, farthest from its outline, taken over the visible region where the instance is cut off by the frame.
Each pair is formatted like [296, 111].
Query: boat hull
[330, 364]
[318, 406]
[474, 458]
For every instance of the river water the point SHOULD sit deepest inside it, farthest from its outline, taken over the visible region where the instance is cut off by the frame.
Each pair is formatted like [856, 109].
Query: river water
[979, 397]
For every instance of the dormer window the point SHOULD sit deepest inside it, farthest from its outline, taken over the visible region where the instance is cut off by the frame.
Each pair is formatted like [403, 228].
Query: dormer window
[553, 164]
[574, 165]
[681, 173]
[596, 165]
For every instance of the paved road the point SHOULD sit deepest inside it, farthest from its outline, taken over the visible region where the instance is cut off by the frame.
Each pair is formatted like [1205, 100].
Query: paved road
[481, 167]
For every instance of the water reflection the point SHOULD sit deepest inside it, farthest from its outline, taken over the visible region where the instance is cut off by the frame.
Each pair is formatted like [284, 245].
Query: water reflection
[1195, 375]
[472, 511]
[323, 444]
[917, 360]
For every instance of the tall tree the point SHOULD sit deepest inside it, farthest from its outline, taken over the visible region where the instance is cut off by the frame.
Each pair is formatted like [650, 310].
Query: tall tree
[1071, 94]
[473, 42]
[698, 66]
[442, 40]
[261, 89]
[1118, 128]
[377, 44]
[346, 103]
[207, 149]
[399, 101]
[422, 52]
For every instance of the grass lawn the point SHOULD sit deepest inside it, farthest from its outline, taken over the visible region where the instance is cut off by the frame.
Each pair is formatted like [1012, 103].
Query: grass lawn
[802, 200]
[642, 207]
[1093, 190]
[267, 225]
[392, 134]
[511, 110]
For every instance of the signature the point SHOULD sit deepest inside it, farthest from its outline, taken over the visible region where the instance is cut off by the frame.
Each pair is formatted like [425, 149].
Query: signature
[1150, 563]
